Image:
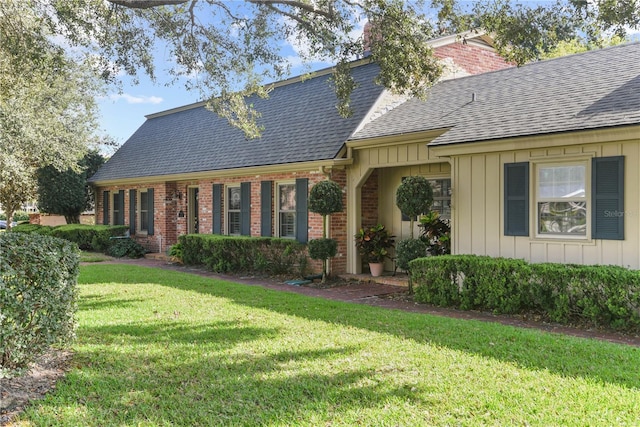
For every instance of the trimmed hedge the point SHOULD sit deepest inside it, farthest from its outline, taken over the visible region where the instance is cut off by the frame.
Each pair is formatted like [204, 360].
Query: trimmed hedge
[224, 254]
[87, 237]
[38, 277]
[606, 296]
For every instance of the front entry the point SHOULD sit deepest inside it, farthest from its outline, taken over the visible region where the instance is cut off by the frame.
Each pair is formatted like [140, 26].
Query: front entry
[193, 211]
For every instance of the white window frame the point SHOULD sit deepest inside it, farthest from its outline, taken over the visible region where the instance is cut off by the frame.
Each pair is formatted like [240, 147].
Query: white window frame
[279, 211]
[227, 211]
[586, 199]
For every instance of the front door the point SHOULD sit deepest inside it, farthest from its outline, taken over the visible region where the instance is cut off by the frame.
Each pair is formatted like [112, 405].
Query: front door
[193, 211]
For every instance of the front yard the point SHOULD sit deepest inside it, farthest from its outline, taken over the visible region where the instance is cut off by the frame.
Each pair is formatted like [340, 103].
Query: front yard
[160, 348]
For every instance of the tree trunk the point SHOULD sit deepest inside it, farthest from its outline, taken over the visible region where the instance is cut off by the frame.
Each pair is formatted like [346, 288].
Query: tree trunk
[72, 219]
[10, 211]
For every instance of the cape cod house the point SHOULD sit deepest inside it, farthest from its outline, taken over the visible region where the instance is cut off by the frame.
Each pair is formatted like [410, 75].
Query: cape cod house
[537, 162]
[187, 170]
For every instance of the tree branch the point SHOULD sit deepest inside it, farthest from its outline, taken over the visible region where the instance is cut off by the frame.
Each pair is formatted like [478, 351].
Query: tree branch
[329, 14]
[146, 4]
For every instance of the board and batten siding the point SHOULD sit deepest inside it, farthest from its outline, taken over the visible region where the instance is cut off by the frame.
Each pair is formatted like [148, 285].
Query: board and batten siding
[478, 207]
[392, 158]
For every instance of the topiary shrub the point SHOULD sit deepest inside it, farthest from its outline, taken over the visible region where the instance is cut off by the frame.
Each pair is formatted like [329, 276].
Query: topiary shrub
[414, 197]
[38, 277]
[325, 199]
[121, 248]
[322, 248]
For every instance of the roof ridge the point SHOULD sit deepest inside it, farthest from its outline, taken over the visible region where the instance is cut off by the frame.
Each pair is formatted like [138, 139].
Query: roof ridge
[540, 62]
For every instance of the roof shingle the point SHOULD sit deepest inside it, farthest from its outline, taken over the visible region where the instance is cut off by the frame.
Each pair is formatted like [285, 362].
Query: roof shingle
[585, 91]
[300, 123]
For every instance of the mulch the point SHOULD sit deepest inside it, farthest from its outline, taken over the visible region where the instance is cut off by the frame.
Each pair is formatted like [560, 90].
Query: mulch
[16, 393]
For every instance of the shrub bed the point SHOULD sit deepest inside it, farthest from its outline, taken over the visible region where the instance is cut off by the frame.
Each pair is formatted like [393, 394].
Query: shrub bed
[87, 237]
[601, 296]
[224, 254]
[38, 277]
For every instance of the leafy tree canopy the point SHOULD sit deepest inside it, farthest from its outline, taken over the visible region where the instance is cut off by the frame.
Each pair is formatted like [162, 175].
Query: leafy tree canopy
[47, 107]
[235, 47]
[67, 192]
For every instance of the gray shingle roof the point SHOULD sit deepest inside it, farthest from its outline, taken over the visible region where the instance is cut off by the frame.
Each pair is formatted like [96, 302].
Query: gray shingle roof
[585, 91]
[300, 123]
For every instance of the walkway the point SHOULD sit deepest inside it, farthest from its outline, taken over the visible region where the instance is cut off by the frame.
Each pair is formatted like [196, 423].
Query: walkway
[378, 291]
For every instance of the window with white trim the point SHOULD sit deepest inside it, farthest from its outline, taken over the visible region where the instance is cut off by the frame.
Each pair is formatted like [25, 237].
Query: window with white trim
[233, 206]
[287, 210]
[561, 199]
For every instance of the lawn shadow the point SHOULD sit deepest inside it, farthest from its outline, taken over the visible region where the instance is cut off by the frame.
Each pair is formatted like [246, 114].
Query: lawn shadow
[246, 389]
[556, 353]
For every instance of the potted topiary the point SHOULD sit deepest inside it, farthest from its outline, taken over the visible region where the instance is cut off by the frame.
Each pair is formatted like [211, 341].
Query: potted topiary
[373, 244]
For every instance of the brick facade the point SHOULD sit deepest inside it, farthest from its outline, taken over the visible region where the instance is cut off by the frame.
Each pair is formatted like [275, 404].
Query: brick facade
[171, 199]
[472, 59]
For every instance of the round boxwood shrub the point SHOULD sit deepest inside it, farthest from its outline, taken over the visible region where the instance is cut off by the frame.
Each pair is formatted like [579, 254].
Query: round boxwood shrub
[414, 197]
[322, 249]
[325, 198]
[38, 278]
[409, 249]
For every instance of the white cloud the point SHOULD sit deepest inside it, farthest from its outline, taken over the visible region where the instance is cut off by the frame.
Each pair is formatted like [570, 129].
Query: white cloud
[136, 99]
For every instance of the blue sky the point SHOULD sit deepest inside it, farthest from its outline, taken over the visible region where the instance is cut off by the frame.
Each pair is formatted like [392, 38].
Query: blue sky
[122, 112]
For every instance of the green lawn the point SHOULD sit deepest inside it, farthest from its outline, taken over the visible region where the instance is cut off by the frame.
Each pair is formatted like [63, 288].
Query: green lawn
[164, 348]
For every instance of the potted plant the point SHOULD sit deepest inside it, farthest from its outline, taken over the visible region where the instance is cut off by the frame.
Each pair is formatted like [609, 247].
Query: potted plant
[373, 244]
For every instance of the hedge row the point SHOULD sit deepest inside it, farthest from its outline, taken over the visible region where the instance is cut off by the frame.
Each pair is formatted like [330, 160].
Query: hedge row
[244, 254]
[88, 237]
[38, 277]
[570, 294]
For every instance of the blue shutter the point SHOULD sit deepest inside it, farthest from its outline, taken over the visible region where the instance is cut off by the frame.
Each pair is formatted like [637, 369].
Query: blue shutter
[607, 194]
[266, 208]
[302, 216]
[132, 212]
[150, 212]
[120, 219]
[105, 207]
[516, 199]
[217, 208]
[245, 208]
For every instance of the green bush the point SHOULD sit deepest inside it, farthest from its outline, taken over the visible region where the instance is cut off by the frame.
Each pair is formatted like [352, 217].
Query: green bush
[244, 254]
[32, 228]
[175, 252]
[409, 249]
[321, 249]
[17, 216]
[87, 237]
[126, 248]
[38, 277]
[596, 296]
